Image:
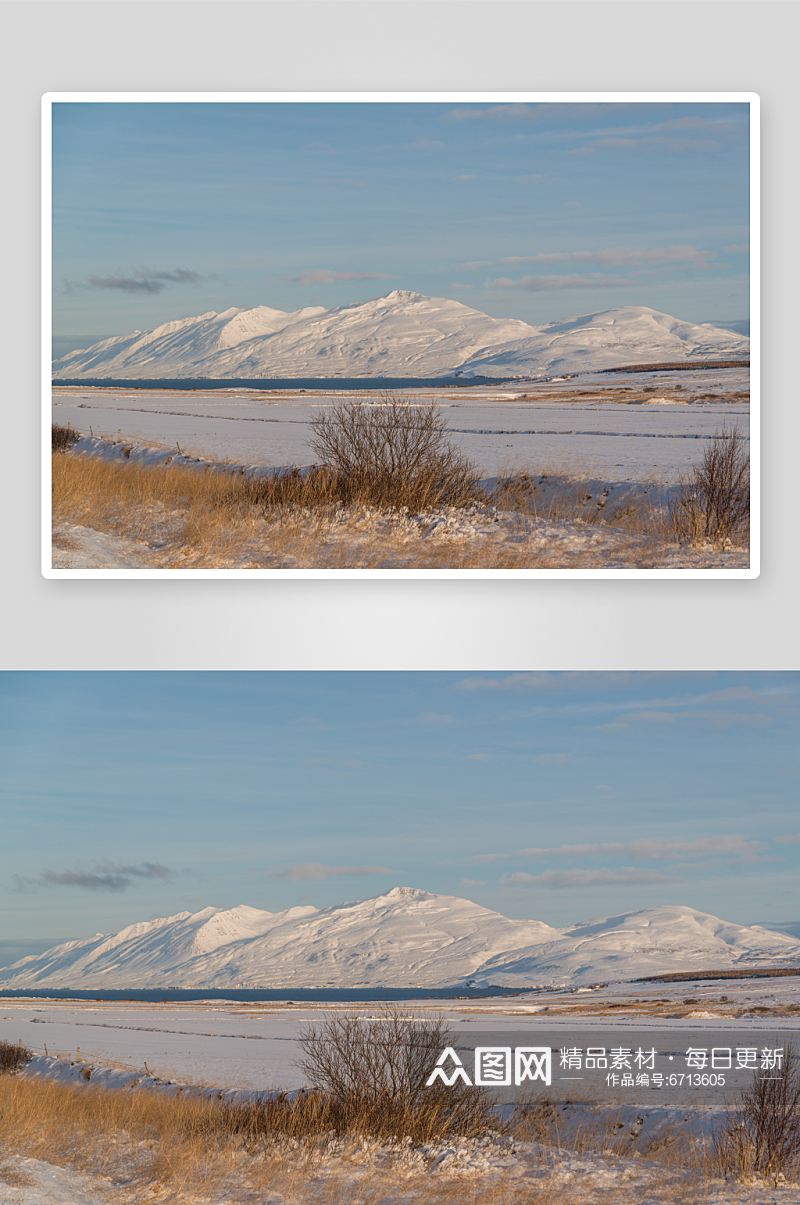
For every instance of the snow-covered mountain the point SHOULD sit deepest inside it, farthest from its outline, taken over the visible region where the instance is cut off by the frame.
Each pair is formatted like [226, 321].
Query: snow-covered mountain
[634, 944]
[400, 335]
[631, 335]
[175, 349]
[406, 938]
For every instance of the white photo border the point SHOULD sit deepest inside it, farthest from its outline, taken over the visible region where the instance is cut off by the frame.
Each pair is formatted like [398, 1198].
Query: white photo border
[750, 98]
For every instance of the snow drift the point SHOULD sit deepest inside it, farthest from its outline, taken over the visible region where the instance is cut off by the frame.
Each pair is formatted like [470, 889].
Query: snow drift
[406, 938]
[403, 334]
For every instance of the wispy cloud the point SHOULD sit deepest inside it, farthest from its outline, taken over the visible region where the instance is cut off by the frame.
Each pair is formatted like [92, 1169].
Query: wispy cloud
[534, 112]
[738, 249]
[494, 113]
[103, 876]
[336, 763]
[531, 681]
[730, 845]
[548, 284]
[323, 276]
[566, 682]
[328, 182]
[560, 879]
[315, 871]
[432, 717]
[658, 143]
[789, 839]
[618, 257]
[146, 281]
[425, 144]
[712, 718]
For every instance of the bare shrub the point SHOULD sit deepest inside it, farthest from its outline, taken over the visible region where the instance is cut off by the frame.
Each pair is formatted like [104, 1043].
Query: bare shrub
[394, 453]
[13, 1057]
[63, 438]
[714, 504]
[371, 1074]
[762, 1135]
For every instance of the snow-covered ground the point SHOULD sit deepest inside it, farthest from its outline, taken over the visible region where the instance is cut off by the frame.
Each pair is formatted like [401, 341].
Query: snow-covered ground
[621, 427]
[240, 1049]
[622, 441]
[252, 1047]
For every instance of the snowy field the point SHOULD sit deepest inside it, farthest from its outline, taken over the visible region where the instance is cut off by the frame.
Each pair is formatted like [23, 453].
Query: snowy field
[622, 427]
[592, 1155]
[253, 1046]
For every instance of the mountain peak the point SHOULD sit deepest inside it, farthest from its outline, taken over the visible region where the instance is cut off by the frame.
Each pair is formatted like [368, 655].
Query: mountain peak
[407, 893]
[403, 295]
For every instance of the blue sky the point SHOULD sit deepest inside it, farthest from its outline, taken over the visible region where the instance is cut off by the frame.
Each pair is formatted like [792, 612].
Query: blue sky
[533, 211]
[558, 797]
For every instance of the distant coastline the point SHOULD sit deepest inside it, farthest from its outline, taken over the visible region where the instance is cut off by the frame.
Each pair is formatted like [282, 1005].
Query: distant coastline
[288, 995]
[344, 383]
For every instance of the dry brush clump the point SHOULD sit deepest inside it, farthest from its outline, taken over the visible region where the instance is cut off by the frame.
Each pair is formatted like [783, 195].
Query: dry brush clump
[761, 1137]
[395, 453]
[13, 1057]
[714, 503]
[371, 1075]
[63, 437]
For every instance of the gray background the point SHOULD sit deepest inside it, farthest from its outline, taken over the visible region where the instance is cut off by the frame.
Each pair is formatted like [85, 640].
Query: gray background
[406, 46]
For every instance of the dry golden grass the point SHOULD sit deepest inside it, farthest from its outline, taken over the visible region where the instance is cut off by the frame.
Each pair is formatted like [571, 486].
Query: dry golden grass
[155, 1147]
[148, 1146]
[185, 519]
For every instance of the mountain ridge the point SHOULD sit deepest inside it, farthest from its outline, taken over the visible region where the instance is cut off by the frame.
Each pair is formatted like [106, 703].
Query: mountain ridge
[403, 334]
[404, 938]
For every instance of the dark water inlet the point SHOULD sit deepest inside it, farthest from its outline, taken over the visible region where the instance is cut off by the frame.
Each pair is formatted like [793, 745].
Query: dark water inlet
[303, 995]
[263, 384]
